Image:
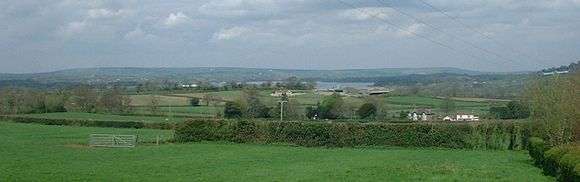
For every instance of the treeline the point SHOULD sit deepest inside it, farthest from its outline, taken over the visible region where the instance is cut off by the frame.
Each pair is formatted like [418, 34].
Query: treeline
[249, 105]
[292, 83]
[79, 99]
[572, 67]
[497, 86]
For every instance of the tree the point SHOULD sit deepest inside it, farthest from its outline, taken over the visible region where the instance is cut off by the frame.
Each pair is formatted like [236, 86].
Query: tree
[554, 107]
[367, 110]
[251, 105]
[208, 98]
[448, 106]
[312, 112]
[291, 110]
[518, 110]
[83, 99]
[331, 107]
[154, 104]
[113, 101]
[232, 110]
[194, 102]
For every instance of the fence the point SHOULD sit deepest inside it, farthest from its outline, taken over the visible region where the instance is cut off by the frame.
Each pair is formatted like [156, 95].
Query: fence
[109, 140]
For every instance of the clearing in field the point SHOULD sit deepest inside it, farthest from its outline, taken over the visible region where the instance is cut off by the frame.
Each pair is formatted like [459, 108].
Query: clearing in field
[48, 153]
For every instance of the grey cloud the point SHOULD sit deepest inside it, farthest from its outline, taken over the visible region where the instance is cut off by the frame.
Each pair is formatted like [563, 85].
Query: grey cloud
[280, 33]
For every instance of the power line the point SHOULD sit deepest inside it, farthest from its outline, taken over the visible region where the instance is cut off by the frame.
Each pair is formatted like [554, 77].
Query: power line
[445, 33]
[410, 32]
[481, 33]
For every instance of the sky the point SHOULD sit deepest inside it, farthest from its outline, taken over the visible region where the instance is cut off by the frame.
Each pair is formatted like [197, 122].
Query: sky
[485, 35]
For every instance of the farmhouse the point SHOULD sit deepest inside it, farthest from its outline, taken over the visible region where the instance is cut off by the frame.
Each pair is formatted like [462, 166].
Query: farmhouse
[461, 117]
[280, 93]
[421, 115]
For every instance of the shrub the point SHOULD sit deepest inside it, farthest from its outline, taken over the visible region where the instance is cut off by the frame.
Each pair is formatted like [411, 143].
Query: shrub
[194, 101]
[367, 110]
[563, 162]
[537, 148]
[88, 123]
[232, 110]
[495, 135]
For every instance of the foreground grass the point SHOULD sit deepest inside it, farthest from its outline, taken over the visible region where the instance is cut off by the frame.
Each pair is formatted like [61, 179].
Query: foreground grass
[56, 153]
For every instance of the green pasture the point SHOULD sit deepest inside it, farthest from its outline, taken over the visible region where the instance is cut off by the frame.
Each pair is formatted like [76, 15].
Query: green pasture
[59, 153]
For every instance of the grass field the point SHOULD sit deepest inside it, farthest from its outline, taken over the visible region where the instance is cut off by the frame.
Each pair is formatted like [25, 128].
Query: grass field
[145, 100]
[104, 117]
[57, 153]
[395, 104]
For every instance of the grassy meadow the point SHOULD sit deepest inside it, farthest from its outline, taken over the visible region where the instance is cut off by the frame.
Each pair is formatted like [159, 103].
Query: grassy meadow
[59, 153]
[177, 104]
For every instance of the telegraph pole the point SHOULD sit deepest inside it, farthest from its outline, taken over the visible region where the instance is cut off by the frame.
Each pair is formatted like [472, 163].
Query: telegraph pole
[282, 109]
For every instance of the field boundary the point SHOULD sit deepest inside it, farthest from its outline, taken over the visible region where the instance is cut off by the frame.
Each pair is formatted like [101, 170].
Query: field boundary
[88, 123]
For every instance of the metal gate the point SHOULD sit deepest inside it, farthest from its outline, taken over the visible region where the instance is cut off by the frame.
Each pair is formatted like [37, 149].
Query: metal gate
[109, 140]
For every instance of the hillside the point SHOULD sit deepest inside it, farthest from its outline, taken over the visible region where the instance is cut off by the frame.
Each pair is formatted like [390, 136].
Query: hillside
[218, 74]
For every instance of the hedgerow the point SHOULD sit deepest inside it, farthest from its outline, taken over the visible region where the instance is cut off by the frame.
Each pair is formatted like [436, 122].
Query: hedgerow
[563, 161]
[88, 123]
[490, 135]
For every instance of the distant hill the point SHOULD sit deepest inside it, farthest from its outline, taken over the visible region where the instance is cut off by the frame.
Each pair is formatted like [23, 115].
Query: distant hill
[129, 74]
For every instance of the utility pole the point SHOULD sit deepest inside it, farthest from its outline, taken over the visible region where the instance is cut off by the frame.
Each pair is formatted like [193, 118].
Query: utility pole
[282, 109]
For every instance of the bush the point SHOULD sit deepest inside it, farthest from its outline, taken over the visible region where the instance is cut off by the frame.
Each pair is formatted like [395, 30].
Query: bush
[88, 123]
[232, 110]
[563, 162]
[495, 135]
[194, 101]
[367, 110]
[537, 148]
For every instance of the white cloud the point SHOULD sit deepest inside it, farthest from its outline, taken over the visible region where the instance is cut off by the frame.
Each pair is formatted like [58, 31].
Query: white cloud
[138, 34]
[367, 13]
[74, 28]
[175, 19]
[238, 8]
[104, 13]
[230, 33]
[411, 30]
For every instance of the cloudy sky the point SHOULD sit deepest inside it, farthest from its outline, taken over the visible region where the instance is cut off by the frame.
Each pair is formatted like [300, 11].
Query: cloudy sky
[489, 35]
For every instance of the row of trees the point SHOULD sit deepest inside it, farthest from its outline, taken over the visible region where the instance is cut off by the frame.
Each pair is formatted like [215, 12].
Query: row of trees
[80, 99]
[249, 105]
[555, 108]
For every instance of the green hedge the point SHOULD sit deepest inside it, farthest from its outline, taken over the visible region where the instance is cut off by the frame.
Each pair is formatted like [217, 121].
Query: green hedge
[489, 135]
[563, 162]
[88, 123]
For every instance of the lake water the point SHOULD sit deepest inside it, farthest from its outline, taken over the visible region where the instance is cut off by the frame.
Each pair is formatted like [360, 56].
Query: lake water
[331, 85]
[342, 85]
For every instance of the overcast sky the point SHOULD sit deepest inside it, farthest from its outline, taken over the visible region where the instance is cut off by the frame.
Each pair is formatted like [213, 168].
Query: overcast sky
[502, 35]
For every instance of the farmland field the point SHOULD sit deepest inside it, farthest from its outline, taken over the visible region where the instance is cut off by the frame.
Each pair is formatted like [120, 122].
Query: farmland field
[58, 153]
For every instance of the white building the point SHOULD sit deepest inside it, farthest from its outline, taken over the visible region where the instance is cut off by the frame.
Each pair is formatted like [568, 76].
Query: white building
[461, 117]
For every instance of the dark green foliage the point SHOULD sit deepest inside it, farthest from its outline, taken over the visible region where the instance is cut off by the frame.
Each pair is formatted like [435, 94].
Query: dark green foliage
[403, 114]
[311, 112]
[537, 148]
[447, 135]
[252, 106]
[563, 162]
[513, 110]
[197, 130]
[244, 131]
[194, 101]
[448, 106]
[331, 107]
[366, 110]
[88, 123]
[232, 110]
